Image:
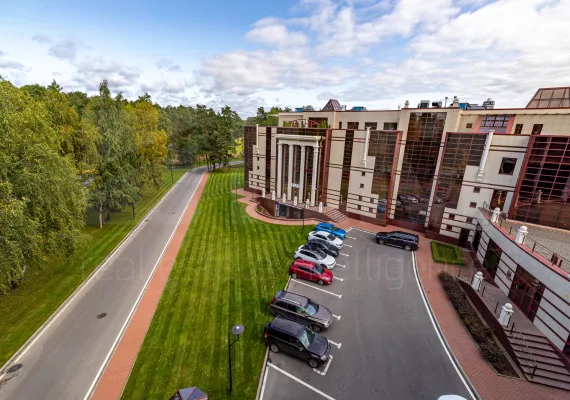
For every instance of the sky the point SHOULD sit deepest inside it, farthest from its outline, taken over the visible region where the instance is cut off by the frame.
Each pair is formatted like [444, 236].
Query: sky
[247, 54]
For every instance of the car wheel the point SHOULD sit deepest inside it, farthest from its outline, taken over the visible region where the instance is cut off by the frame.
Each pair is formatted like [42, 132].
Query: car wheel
[408, 247]
[274, 348]
[313, 362]
[316, 328]
[380, 241]
[320, 282]
[294, 275]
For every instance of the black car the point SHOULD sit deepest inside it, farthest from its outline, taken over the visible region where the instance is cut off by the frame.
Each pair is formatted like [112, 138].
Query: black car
[405, 240]
[323, 245]
[298, 341]
[300, 309]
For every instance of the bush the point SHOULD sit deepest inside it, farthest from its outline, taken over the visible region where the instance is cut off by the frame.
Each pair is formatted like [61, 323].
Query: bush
[482, 335]
[446, 253]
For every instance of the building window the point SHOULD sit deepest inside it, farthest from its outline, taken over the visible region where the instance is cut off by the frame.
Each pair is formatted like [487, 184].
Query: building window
[451, 216]
[358, 208]
[258, 167]
[473, 205]
[363, 173]
[352, 125]
[469, 125]
[518, 129]
[362, 186]
[536, 129]
[449, 227]
[372, 125]
[359, 198]
[340, 125]
[390, 126]
[472, 220]
[508, 166]
[476, 190]
[257, 158]
[497, 123]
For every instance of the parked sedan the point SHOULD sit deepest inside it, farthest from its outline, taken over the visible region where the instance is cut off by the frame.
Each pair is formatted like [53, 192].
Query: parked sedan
[405, 240]
[315, 256]
[323, 246]
[300, 309]
[332, 239]
[330, 228]
[310, 272]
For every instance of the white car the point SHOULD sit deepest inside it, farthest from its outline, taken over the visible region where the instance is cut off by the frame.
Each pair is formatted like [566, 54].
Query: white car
[316, 256]
[329, 237]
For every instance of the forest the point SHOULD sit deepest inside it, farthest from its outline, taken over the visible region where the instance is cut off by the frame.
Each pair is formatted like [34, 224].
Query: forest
[64, 153]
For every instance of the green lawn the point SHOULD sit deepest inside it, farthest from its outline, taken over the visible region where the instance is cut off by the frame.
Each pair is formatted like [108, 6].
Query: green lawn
[226, 273]
[447, 253]
[24, 310]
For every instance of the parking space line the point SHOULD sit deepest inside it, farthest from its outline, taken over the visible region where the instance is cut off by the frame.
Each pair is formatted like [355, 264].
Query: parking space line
[342, 254]
[326, 396]
[338, 279]
[346, 245]
[350, 237]
[364, 231]
[263, 385]
[326, 367]
[336, 344]
[340, 265]
[337, 317]
[316, 288]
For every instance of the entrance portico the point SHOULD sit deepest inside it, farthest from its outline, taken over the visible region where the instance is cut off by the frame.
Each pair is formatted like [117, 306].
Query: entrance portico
[297, 146]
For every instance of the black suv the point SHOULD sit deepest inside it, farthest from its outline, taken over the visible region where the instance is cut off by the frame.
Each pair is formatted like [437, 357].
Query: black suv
[297, 340]
[405, 240]
[323, 245]
[300, 309]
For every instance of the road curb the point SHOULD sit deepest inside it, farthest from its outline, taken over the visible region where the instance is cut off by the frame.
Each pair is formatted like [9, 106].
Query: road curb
[442, 336]
[72, 296]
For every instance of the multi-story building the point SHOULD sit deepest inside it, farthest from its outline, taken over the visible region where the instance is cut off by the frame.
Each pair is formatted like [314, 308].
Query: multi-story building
[436, 170]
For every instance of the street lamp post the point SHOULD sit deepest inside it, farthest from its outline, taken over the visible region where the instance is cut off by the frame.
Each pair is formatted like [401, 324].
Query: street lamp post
[237, 330]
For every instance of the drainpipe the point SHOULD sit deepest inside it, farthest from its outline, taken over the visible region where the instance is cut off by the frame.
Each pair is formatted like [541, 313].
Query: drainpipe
[366, 146]
[484, 156]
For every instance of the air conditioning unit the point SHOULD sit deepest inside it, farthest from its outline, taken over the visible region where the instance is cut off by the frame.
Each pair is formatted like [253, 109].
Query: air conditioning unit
[423, 104]
[436, 104]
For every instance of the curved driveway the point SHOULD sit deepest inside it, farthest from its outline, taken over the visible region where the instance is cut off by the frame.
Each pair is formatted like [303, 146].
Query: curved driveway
[66, 357]
[385, 344]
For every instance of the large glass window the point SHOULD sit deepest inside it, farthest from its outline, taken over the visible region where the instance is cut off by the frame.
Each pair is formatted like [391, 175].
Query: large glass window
[497, 123]
[544, 194]
[346, 163]
[382, 146]
[423, 141]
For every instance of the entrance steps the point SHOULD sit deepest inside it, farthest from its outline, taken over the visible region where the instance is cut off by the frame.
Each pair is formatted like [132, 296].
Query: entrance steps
[336, 215]
[539, 361]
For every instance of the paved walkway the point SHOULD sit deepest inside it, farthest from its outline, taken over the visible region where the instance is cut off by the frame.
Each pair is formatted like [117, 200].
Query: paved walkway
[488, 384]
[117, 373]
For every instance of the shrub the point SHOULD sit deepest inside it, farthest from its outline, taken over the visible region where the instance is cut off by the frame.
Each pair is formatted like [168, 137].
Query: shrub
[446, 253]
[480, 333]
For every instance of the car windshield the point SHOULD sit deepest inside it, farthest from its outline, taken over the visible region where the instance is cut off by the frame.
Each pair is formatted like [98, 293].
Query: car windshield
[319, 254]
[307, 337]
[318, 269]
[311, 308]
[331, 237]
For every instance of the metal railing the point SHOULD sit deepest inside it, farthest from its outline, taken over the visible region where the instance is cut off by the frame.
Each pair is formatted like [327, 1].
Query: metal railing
[521, 342]
[531, 244]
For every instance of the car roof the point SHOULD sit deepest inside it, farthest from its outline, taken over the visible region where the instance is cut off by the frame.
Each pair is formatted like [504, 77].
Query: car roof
[328, 225]
[285, 325]
[304, 263]
[293, 297]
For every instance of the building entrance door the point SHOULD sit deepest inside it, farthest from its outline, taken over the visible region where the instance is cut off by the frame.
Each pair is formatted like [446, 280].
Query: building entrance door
[492, 257]
[526, 292]
[477, 238]
[463, 236]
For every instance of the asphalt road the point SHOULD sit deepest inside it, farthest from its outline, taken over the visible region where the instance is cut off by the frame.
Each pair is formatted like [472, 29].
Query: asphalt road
[66, 358]
[384, 345]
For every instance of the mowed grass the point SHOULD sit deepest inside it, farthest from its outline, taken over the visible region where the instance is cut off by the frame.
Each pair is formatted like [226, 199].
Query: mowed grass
[229, 267]
[24, 310]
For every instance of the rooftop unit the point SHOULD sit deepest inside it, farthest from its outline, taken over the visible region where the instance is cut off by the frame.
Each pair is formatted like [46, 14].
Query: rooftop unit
[423, 104]
[358, 108]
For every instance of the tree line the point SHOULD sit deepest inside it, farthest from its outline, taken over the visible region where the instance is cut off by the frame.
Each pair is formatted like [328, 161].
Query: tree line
[62, 153]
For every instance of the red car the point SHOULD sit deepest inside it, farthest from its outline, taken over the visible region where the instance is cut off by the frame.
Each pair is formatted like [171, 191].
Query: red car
[311, 272]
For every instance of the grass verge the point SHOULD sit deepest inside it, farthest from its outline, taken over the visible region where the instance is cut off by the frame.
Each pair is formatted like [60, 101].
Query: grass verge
[229, 267]
[478, 330]
[24, 310]
[447, 253]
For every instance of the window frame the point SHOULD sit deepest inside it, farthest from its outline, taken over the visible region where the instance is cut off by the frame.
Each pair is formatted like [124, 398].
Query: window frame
[508, 159]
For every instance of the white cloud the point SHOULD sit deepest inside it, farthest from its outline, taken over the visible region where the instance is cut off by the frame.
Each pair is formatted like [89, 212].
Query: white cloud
[2, 53]
[65, 49]
[41, 38]
[163, 63]
[271, 31]
[12, 65]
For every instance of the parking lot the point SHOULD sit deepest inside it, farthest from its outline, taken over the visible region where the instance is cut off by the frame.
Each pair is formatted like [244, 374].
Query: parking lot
[384, 344]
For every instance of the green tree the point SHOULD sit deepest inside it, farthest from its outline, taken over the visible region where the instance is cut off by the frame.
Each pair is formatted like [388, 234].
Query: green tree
[42, 200]
[267, 118]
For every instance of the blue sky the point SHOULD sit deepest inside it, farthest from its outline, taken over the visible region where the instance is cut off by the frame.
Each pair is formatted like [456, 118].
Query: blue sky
[376, 53]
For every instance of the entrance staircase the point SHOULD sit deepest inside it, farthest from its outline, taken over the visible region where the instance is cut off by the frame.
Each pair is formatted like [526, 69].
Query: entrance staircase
[538, 360]
[335, 215]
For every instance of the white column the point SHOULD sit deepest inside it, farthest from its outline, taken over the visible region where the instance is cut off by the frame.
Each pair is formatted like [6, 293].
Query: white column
[484, 155]
[521, 234]
[477, 279]
[290, 173]
[257, 138]
[496, 214]
[365, 152]
[315, 174]
[302, 174]
[506, 313]
[279, 167]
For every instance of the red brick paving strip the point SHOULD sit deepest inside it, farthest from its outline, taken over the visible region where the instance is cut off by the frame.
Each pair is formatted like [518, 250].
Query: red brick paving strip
[117, 373]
